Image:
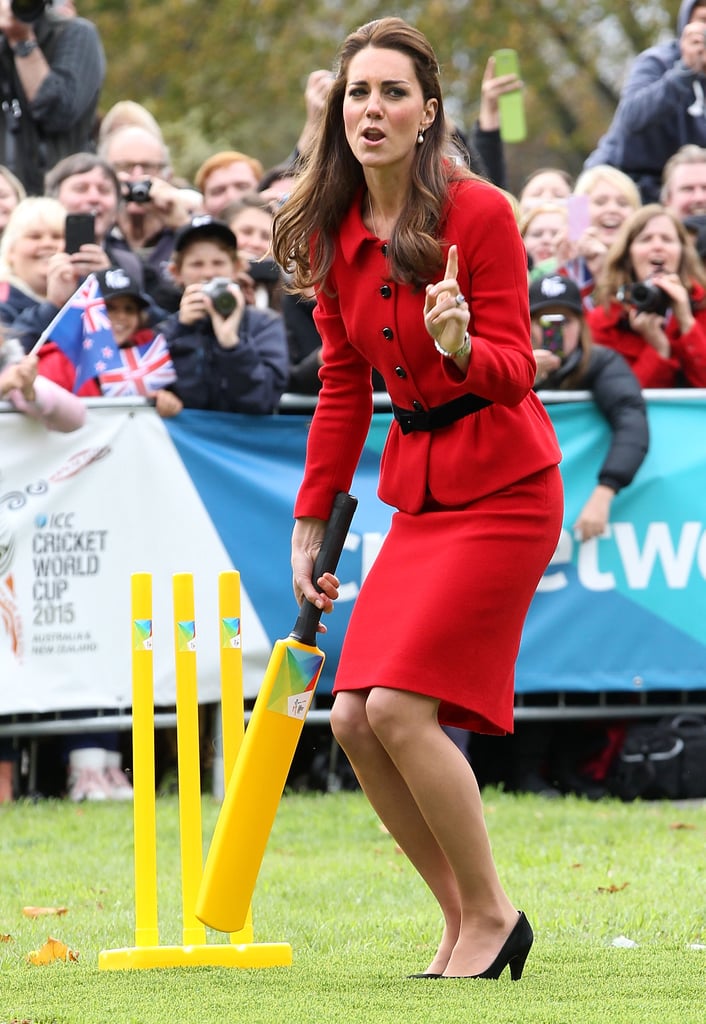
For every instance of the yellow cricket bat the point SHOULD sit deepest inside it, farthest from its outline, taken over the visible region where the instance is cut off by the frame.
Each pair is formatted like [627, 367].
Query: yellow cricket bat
[255, 787]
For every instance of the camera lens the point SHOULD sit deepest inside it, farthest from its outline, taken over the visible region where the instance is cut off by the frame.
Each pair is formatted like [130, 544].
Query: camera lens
[137, 191]
[218, 290]
[27, 10]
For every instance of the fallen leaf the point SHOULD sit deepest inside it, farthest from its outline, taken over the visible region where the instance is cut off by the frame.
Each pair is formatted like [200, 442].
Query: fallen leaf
[51, 951]
[44, 911]
[682, 824]
[5, 938]
[613, 887]
[577, 865]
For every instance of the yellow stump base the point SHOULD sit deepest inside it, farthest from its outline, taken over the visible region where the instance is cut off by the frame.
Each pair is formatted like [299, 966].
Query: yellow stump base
[248, 955]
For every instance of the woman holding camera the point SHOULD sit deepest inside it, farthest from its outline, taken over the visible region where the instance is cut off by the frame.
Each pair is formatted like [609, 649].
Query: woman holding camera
[659, 327]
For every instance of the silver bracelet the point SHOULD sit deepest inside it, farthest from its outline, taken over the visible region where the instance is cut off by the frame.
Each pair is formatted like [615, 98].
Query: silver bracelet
[463, 350]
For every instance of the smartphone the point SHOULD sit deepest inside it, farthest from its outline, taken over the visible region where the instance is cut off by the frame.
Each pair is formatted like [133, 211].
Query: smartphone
[552, 325]
[577, 208]
[511, 105]
[80, 230]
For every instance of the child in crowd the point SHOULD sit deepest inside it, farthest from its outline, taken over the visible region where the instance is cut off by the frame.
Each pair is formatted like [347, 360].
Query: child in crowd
[544, 230]
[146, 368]
[228, 356]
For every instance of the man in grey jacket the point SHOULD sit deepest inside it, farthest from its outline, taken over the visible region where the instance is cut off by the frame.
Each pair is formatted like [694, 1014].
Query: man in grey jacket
[51, 73]
[662, 105]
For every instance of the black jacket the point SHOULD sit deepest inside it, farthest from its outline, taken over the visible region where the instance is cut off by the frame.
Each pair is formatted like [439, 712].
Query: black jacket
[60, 119]
[616, 391]
[249, 378]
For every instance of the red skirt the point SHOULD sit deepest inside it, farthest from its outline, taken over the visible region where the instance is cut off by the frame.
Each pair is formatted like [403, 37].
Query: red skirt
[442, 609]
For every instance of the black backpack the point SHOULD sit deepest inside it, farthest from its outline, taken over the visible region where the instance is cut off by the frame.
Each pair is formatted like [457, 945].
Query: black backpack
[665, 760]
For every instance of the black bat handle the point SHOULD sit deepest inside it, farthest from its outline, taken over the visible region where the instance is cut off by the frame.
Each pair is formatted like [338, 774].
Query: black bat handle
[344, 505]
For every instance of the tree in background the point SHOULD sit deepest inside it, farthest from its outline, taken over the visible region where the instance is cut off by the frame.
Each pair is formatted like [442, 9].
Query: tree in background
[230, 74]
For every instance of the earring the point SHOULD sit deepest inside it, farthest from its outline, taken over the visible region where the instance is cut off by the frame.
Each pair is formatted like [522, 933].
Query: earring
[420, 137]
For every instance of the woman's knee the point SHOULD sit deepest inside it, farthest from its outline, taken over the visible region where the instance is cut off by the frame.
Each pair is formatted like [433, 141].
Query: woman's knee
[348, 720]
[396, 716]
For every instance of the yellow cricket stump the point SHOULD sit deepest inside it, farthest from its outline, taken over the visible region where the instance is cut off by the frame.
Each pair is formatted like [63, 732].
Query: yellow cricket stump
[196, 951]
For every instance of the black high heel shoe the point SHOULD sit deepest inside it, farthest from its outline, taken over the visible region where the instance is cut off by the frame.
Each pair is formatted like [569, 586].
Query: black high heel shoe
[513, 954]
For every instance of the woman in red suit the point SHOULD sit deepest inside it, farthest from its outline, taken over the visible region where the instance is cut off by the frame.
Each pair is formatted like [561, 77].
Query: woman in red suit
[660, 329]
[420, 272]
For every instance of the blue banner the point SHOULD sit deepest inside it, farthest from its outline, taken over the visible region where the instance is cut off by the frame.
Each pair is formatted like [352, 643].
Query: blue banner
[623, 612]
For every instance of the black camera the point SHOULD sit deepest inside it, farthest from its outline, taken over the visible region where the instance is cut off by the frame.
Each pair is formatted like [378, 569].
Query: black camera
[137, 191]
[647, 298]
[218, 291]
[28, 10]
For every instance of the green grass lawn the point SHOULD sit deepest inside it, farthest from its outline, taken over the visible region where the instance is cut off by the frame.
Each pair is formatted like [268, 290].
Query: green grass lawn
[359, 920]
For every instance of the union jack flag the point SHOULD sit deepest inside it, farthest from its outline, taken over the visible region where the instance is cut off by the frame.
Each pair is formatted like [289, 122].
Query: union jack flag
[145, 369]
[81, 329]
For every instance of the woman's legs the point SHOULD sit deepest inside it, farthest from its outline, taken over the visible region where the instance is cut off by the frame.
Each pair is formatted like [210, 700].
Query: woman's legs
[392, 801]
[424, 790]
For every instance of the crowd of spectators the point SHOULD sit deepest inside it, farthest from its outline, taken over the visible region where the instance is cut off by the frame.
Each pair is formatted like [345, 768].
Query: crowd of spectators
[186, 264]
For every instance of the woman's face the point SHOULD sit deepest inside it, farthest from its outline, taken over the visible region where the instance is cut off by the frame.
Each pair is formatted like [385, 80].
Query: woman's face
[569, 330]
[544, 234]
[545, 187]
[384, 108]
[91, 192]
[608, 207]
[657, 249]
[253, 229]
[8, 201]
[28, 259]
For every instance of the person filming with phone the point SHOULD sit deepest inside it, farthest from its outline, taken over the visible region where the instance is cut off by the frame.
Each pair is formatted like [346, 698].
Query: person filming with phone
[51, 75]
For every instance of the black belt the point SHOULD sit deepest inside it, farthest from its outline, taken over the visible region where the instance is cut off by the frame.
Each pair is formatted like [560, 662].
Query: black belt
[440, 416]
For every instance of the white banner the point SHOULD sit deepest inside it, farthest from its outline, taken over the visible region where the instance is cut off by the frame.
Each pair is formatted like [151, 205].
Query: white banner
[79, 513]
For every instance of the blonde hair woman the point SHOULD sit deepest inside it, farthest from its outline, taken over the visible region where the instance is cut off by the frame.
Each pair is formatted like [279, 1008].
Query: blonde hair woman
[36, 275]
[611, 197]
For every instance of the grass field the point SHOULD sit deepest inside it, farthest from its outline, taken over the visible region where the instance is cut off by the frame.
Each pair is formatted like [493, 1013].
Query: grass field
[359, 920]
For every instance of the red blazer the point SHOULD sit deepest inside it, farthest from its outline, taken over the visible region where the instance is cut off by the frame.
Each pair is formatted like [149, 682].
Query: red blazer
[373, 321]
[688, 357]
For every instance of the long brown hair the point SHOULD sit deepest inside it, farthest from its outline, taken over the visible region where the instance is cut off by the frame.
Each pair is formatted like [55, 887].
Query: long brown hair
[306, 224]
[618, 269]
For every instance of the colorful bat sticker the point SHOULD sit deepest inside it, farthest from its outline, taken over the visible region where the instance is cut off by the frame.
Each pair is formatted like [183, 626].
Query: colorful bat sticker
[293, 687]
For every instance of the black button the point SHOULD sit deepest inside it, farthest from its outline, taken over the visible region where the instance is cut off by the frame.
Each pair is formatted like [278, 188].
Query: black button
[388, 333]
[417, 406]
[384, 249]
[400, 371]
[386, 291]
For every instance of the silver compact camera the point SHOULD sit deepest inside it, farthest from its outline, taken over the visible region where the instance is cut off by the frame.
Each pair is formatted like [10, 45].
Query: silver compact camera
[218, 291]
